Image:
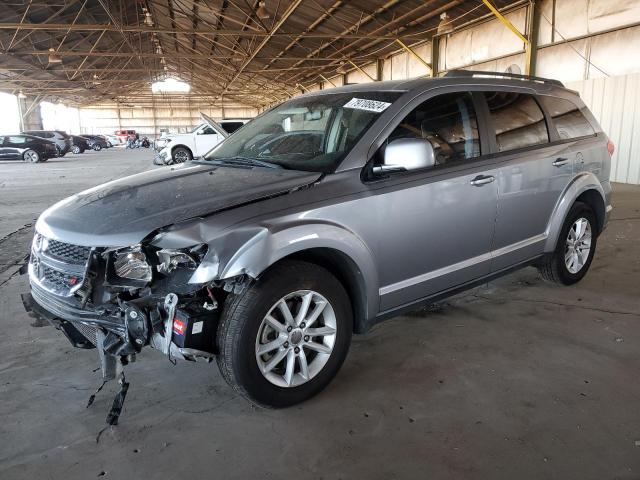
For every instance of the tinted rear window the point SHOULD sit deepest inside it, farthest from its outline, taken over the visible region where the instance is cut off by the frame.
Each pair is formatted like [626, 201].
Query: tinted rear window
[568, 119]
[518, 120]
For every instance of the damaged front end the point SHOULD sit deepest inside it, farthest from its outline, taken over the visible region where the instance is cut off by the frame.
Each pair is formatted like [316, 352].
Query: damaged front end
[123, 299]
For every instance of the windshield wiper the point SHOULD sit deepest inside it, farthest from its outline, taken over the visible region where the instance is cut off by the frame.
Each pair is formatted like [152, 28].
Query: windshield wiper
[245, 161]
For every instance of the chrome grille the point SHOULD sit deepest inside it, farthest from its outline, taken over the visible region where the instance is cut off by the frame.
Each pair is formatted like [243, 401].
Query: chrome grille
[59, 281]
[67, 252]
[58, 267]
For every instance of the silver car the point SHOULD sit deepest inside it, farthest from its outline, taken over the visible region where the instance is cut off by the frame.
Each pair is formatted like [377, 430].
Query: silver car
[322, 217]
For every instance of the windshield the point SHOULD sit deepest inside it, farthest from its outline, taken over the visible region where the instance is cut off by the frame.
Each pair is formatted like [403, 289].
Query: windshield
[308, 133]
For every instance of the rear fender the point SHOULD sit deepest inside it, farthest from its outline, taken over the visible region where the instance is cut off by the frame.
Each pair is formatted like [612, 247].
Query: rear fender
[580, 184]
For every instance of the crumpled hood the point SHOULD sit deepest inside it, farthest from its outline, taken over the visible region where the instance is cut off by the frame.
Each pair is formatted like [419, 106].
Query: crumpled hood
[125, 211]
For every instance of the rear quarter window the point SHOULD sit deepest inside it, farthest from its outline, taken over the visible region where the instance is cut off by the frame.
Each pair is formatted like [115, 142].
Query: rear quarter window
[568, 119]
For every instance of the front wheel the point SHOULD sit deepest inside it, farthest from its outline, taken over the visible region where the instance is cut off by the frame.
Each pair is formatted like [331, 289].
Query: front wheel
[76, 150]
[284, 338]
[97, 147]
[181, 155]
[31, 156]
[571, 260]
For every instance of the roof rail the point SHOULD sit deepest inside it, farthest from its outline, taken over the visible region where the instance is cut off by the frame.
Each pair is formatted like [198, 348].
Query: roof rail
[517, 76]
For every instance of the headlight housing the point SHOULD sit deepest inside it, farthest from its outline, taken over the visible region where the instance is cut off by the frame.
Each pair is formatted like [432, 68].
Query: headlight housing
[183, 258]
[131, 263]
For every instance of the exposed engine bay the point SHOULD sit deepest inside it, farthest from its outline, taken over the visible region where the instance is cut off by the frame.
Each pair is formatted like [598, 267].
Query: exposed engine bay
[120, 300]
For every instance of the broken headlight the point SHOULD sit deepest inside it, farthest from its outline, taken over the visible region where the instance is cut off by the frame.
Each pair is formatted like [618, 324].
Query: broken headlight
[131, 263]
[172, 259]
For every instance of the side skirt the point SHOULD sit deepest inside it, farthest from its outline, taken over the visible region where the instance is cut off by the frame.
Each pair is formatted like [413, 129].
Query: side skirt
[426, 301]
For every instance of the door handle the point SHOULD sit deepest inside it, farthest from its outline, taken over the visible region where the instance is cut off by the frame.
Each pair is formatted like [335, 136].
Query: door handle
[559, 162]
[482, 180]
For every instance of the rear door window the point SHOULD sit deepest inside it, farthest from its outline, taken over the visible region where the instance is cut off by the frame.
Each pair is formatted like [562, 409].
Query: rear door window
[568, 119]
[16, 140]
[517, 119]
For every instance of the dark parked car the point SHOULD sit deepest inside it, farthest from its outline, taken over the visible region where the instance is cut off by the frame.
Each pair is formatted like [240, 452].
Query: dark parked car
[26, 147]
[96, 142]
[79, 144]
[61, 139]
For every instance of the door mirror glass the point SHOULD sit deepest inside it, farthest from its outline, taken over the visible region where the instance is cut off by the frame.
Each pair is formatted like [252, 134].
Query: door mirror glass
[404, 154]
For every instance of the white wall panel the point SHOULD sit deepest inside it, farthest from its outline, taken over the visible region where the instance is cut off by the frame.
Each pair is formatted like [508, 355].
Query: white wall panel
[148, 121]
[616, 52]
[572, 18]
[607, 14]
[615, 102]
[562, 62]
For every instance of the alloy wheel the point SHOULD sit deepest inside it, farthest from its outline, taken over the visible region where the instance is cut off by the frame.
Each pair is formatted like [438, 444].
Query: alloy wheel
[31, 156]
[181, 156]
[578, 245]
[296, 338]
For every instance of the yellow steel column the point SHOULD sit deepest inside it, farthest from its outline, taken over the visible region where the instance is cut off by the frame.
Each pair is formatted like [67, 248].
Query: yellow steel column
[413, 52]
[362, 71]
[505, 21]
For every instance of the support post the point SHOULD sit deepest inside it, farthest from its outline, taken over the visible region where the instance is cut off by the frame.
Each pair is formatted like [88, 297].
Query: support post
[380, 69]
[534, 29]
[22, 129]
[435, 55]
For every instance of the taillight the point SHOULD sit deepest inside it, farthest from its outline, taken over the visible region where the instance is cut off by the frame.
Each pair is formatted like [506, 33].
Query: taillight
[611, 148]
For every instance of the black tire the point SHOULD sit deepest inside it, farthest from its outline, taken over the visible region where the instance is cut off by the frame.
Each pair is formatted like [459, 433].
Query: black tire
[181, 155]
[97, 147]
[76, 150]
[241, 319]
[553, 267]
[31, 156]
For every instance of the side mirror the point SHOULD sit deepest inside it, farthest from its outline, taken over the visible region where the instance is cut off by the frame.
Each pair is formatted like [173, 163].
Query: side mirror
[407, 154]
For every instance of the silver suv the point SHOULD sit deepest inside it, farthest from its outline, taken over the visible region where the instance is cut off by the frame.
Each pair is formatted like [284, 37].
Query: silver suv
[322, 217]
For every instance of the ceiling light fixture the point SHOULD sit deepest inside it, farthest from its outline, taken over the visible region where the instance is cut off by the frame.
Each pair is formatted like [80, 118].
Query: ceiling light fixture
[54, 57]
[148, 21]
[21, 95]
[261, 12]
[170, 85]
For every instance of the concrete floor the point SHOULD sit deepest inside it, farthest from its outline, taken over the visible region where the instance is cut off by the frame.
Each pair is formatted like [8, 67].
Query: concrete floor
[516, 379]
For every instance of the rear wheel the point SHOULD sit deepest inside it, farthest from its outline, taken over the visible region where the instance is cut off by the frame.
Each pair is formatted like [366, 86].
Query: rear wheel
[576, 246]
[181, 154]
[31, 156]
[286, 336]
[76, 149]
[97, 147]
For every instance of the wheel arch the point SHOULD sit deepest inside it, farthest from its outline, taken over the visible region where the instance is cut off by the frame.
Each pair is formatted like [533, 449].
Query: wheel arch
[584, 188]
[341, 266]
[181, 145]
[592, 198]
[253, 250]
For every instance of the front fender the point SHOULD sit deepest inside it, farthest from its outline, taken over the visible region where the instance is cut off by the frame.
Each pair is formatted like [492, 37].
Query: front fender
[580, 184]
[252, 250]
